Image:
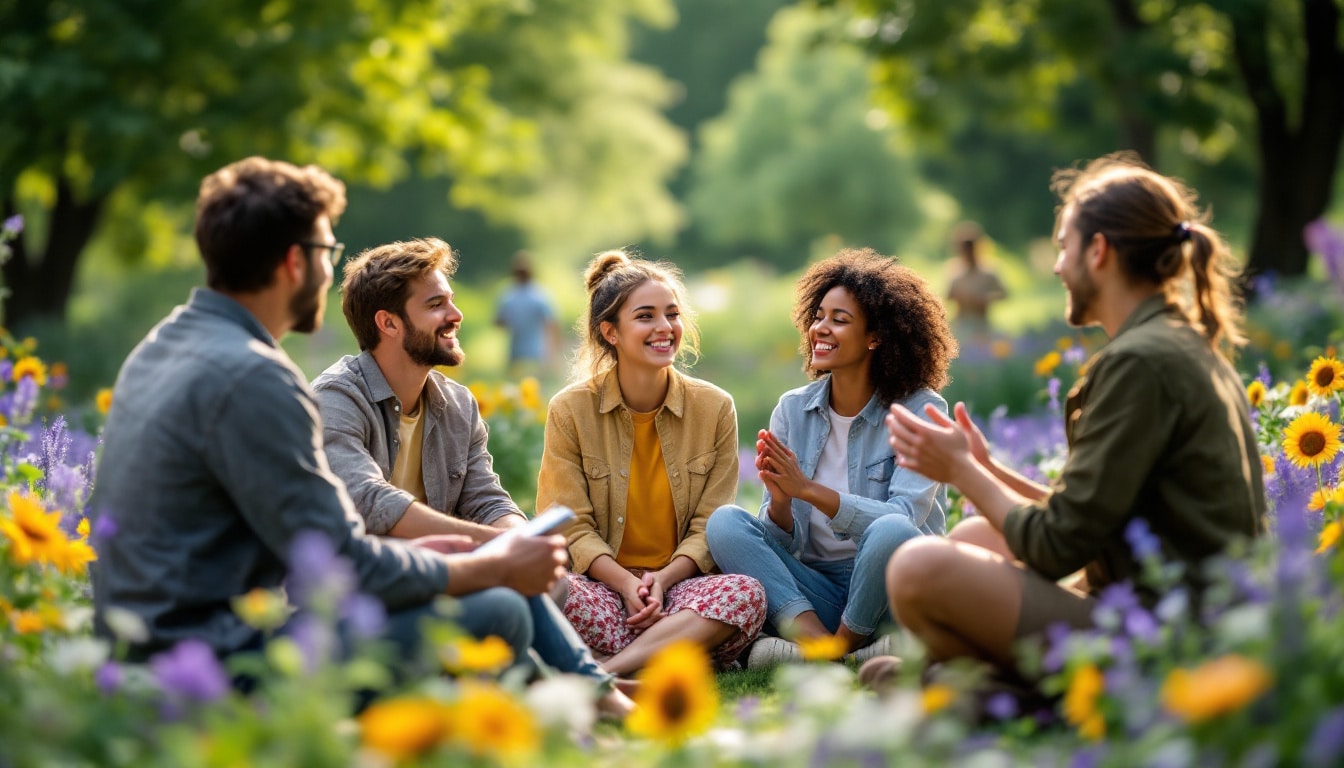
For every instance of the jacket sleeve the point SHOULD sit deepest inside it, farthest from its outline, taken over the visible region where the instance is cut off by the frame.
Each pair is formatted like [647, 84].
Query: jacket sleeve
[347, 432]
[281, 483]
[562, 481]
[908, 493]
[720, 488]
[1116, 443]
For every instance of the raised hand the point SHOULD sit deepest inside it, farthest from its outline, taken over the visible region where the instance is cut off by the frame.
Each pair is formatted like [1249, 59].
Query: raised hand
[934, 450]
[778, 466]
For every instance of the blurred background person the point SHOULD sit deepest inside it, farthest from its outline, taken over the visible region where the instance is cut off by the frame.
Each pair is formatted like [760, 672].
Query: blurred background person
[526, 312]
[973, 288]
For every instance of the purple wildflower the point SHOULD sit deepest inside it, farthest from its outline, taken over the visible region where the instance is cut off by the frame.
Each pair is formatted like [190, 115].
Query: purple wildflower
[24, 400]
[1001, 706]
[364, 615]
[1321, 238]
[1141, 539]
[1172, 606]
[1263, 376]
[317, 575]
[109, 677]
[1075, 355]
[1140, 624]
[748, 708]
[1056, 638]
[190, 671]
[6, 369]
[13, 225]
[103, 528]
[1091, 757]
[1052, 388]
[1326, 745]
[315, 639]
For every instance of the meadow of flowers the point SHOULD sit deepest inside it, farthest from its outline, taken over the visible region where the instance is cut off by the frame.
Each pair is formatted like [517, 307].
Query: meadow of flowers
[1251, 675]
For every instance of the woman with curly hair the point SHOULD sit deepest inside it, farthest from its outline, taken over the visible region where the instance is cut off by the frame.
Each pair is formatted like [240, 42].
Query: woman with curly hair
[644, 454]
[836, 504]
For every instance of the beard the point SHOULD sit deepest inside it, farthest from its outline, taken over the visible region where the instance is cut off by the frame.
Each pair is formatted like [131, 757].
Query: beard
[307, 306]
[423, 348]
[1081, 294]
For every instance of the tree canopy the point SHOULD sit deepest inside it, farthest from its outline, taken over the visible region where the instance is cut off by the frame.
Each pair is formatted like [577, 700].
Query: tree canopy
[530, 107]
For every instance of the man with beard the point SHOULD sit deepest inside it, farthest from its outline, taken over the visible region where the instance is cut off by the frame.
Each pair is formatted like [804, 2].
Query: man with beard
[212, 463]
[408, 441]
[1162, 456]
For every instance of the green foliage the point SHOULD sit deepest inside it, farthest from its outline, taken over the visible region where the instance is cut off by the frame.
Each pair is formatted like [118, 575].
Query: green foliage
[799, 155]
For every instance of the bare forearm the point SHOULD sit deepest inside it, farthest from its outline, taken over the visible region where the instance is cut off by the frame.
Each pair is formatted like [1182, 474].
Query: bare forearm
[508, 521]
[1033, 491]
[992, 496]
[468, 573]
[606, 570]
[421, 520]
[827, 500]
[677, 571]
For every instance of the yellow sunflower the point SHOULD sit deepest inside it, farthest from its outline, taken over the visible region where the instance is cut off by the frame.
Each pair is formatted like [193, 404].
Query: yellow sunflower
[1329, 535]
[1326, 376]
[824, 648]
[1080, 702]
[1255, 393]
[936, 698]
[403, 728]
[1268, 462]
[261, 608]
[1299, 395]
[34, 534]
[489, 722]
[1311, 440]
[104, 400]
[30, 366]
[1214, 688]
[677, 696]
[74, 557]
[467, 656]
[1047, 364]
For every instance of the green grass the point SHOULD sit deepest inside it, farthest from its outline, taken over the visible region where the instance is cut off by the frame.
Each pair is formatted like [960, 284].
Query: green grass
[736, 684]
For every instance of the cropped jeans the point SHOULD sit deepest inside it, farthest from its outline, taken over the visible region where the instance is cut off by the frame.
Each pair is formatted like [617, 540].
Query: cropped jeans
[852, 592]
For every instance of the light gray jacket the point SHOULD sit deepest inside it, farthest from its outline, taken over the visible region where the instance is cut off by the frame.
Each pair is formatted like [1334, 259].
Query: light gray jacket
[359, 429]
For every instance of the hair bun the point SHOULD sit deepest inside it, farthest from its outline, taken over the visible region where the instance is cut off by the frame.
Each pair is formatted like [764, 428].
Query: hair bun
[602, 265]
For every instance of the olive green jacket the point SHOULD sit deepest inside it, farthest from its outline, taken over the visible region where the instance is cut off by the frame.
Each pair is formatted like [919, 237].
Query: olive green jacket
[1158, 428]
[586, 462]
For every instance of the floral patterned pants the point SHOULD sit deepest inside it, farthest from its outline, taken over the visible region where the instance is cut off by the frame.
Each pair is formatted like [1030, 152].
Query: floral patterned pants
[598, 612]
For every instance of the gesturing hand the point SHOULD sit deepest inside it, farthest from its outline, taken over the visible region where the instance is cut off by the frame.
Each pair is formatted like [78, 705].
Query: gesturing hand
[934, 450]
[778, 466]
[533, 563]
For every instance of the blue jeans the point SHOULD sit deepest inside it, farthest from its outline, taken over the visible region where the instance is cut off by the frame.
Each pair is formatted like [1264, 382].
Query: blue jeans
[852, 592]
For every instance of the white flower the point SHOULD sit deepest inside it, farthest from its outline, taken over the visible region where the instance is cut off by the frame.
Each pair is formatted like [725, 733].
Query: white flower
[563, 701]
[126, 626]
[77, 654]
[1244, 624]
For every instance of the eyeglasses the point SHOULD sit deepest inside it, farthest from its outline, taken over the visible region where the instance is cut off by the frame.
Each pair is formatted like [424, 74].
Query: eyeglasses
[337, 249]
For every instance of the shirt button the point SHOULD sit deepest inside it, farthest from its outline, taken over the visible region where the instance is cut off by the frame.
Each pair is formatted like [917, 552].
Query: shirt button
[397, 408]
[620, 519]
[624, 473]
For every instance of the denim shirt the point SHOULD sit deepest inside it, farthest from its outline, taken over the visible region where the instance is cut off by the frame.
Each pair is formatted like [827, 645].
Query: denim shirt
[360, 414]
[211, 465]
[877, 485]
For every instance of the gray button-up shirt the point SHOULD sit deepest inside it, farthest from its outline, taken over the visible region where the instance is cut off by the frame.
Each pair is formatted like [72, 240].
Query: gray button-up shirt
[211, 463]
[360, 416]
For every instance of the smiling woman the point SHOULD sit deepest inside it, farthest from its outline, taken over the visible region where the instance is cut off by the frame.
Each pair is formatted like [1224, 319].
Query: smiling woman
[643, 454]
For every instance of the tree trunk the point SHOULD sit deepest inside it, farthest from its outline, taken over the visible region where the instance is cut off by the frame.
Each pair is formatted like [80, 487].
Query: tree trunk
[41, 287]
[1297, 164]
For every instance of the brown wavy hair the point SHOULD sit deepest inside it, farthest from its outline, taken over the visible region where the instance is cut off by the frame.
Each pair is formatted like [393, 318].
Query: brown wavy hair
[1161, 236]
[381, 278]
[611, 277]
[915, 345]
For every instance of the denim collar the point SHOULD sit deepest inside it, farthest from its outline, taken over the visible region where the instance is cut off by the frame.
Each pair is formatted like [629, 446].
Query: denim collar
[380, 390]
[821, 400]
[608, 389]
[213, 302]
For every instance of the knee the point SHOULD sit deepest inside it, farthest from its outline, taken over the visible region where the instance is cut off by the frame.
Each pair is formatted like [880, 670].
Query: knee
[506, 614]
[974, 530]
[887, 533]
[915, 572]
[728, 524]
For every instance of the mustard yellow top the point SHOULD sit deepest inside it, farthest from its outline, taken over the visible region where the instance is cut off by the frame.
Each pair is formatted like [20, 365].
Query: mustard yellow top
[407, 472]
[651, 531]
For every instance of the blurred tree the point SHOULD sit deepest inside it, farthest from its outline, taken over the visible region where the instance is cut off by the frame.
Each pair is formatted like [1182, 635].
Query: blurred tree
[530, 107]
[800, 154]
[1209, 71]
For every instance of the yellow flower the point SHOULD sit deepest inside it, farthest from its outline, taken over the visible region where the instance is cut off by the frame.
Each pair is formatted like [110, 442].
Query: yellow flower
[491, 723]
[1047, 365]
[677, 695]
[29, 344]
[31, 366]
[1299, 394]
[3, 420]
[1255, 393]
[1063, 343]
[485, 398]
[1311, 440]
[1326, 376]
[73, 559]
[27, 622]
[261, 608]
[403, 728]
[1214, 688]
[35, 534]
[1001, 349]
[104, 400]
[823, 648]
[529, 392]
[936, 698]
[1329, 535]
[83, 528]
[467, 656]
[1080, 701]
[1268, 461]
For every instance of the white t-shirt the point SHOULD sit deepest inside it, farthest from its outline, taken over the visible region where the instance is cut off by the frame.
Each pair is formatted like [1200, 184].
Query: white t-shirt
[832, 472]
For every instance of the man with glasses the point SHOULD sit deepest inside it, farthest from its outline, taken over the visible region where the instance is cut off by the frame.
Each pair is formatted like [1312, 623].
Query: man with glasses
[212, 461]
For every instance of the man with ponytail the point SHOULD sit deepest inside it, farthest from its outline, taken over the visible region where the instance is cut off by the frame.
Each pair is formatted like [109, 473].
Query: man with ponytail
[1162, 456]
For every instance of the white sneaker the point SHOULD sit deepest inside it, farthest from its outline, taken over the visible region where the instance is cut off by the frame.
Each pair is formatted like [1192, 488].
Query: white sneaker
[879, 647]
[773, 651]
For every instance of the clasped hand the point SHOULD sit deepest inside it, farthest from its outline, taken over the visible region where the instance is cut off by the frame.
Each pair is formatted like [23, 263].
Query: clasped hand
[644, 602]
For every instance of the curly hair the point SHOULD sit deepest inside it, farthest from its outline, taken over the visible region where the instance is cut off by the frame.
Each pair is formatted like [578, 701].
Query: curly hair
[915, 345]
[611, 277]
